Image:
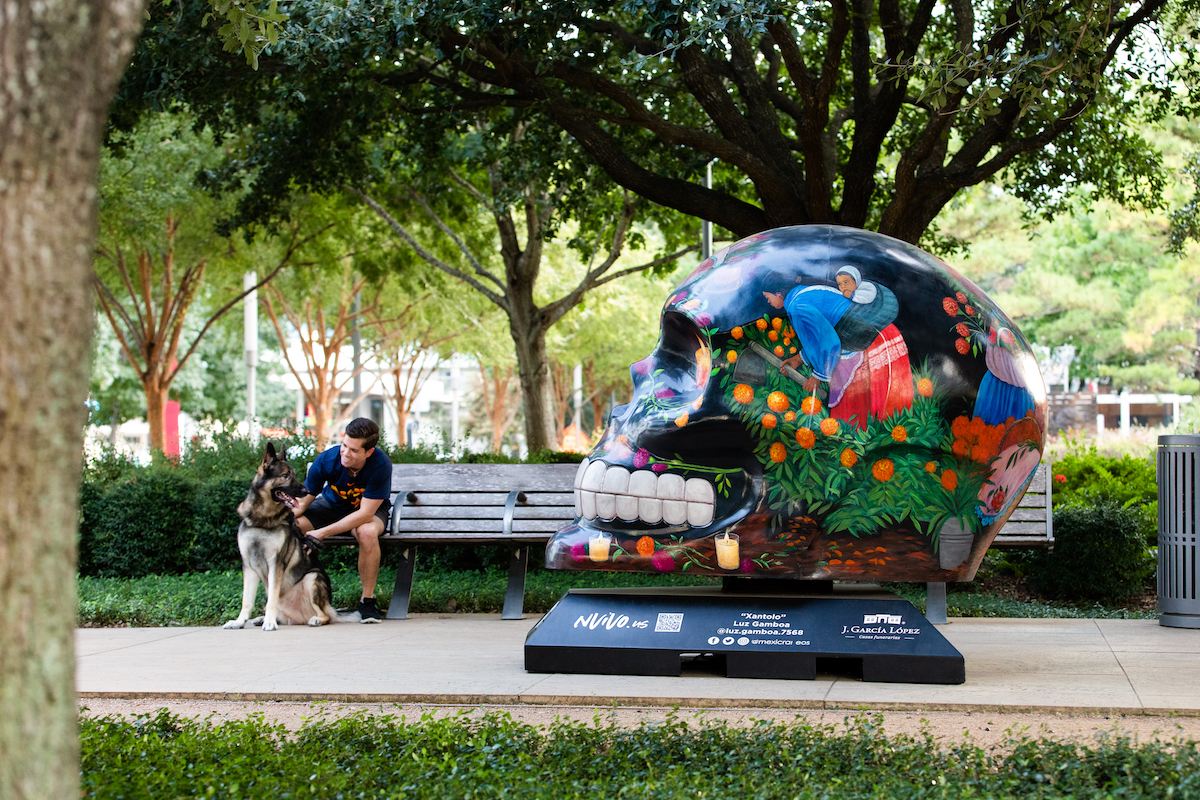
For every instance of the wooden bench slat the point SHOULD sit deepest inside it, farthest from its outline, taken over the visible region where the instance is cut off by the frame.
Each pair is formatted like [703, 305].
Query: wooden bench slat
[468, 498]
[1024, 528]
[484, 477]
[1023, 514]
[1033, 501]
[477, 525]
[485, 512]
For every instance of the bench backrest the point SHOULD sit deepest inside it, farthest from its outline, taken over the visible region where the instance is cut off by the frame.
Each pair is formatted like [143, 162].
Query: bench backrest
[467, 502]
[1031, 523]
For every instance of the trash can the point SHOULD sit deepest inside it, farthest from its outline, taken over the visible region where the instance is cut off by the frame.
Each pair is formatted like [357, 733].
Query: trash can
[1178, 530]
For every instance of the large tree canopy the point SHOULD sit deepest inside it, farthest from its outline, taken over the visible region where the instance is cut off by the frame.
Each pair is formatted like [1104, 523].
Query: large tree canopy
[869, 113]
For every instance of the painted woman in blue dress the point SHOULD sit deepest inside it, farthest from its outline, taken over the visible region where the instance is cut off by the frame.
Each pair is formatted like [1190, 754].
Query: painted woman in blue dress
[1003, 395]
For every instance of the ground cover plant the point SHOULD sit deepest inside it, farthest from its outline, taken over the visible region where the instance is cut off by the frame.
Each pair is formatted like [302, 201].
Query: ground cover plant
[384, 757]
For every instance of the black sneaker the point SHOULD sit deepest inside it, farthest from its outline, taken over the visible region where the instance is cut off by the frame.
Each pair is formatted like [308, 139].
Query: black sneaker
[369, 611]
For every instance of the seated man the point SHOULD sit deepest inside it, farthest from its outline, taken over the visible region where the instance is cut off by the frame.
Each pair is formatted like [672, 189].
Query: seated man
[349, 489]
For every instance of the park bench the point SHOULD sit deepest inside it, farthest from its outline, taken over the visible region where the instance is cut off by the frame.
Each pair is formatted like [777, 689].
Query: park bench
[519, 505]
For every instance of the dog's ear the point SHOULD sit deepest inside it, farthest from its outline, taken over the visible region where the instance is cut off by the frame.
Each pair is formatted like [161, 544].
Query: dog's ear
[270, 454]
[283, 453]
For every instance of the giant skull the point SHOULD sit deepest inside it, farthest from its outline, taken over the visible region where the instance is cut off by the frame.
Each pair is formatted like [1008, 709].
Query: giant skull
[823, 403]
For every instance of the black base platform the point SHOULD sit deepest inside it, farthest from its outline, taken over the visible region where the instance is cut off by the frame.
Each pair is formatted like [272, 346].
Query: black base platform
[652, 632]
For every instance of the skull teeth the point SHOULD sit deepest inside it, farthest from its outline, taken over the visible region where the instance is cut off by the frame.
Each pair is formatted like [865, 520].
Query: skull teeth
[613, 492]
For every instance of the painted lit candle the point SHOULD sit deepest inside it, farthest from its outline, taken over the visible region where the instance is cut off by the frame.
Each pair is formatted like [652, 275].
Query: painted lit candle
[727, 551]
[598, 547]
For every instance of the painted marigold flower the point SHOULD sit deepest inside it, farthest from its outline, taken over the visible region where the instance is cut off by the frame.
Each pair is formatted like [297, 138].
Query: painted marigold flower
[950, 306]
[641, 458]
[829, 426]
[806, 438]
[810, 405]
[789, 416]
[777, 401]
[931, 466]
[960, 426]
[761, 324]
[925, 387]
[949, 480]
[731, 356]
[962, 298]
[970, 310]
[737, 332]
[662, 561]
[962, 329]
[682, 419]
[899, 433]
[743, 393]
[769, 421]
[962, 346]
[773, 336]
[778, 452]
[883, 469]
[848, 458]
[777, 323]
[779, 351]
[645, 546]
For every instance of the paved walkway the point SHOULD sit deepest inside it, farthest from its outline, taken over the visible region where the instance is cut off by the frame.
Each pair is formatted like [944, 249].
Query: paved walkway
[1020, 666]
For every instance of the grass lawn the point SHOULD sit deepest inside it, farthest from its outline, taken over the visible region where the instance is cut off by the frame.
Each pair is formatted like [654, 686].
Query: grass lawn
[211, 598]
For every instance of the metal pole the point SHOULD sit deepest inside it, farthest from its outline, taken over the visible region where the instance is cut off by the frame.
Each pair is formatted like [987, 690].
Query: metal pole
[706, 226]
[453, 402]
[578, 397]
[356, 339]
[250, 347]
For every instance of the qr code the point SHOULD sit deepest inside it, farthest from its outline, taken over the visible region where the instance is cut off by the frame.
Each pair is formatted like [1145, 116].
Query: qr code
[668, 623]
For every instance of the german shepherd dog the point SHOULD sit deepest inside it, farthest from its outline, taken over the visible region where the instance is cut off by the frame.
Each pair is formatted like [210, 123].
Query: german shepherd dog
[275, 552]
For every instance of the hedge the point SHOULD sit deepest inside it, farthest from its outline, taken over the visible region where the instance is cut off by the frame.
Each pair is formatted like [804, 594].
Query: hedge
[364, 756]
[173, 517]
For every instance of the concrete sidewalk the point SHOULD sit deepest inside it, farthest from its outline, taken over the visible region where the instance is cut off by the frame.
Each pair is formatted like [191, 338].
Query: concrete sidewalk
[1013, 665]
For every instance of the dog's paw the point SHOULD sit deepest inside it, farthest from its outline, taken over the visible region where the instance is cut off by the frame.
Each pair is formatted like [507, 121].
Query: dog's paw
[234, 624]
[314, 621]
[269, 625]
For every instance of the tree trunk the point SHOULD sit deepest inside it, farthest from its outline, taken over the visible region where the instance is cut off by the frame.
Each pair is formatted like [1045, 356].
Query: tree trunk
[156, 413]
[60, 62]
[536, 387]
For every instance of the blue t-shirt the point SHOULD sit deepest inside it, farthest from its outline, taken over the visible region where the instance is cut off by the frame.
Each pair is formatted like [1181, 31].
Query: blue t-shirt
[346, 492]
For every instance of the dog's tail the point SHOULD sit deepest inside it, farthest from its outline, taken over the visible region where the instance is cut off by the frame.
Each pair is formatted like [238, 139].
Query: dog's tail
[343, 616]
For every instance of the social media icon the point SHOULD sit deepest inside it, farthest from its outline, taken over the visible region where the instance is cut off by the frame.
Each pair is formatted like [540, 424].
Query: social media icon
[714, 640]
[727, 640]
[744, 640]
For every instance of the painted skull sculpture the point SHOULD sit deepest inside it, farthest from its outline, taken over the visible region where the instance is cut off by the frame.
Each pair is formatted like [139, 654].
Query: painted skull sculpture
[823, 403]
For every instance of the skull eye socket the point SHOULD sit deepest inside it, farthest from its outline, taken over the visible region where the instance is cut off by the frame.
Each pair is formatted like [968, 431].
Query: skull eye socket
[681, 352]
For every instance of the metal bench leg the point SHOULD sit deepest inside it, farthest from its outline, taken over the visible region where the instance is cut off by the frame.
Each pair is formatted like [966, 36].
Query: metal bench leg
[402, 592]
[514, 596]
[935, 603]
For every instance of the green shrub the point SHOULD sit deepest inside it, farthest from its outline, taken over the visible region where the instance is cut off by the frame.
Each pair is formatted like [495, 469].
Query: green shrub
[1091, 477]
[364, 756]
[215, 523]
[140, 525]
[1099, 553]
[548, 456]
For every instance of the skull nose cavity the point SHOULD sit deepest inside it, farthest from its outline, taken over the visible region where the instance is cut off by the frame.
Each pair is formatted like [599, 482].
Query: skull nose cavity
[613, 492]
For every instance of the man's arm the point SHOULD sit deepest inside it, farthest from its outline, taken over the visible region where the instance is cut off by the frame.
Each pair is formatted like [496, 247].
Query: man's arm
[366, 511]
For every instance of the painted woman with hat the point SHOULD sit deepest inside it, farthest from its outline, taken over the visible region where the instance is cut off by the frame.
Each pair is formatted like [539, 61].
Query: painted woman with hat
[848, 337]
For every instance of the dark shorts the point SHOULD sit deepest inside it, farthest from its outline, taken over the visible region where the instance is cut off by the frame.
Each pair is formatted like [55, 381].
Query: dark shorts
[321, 512]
